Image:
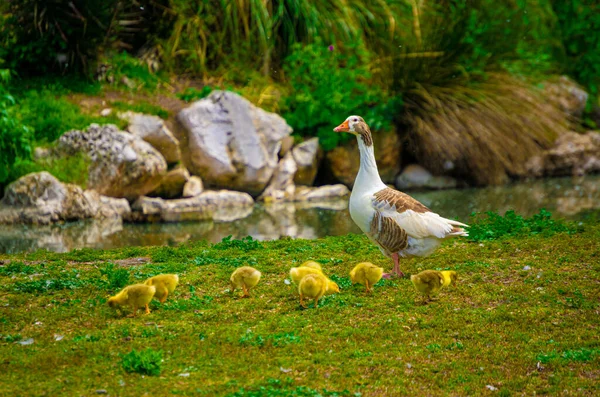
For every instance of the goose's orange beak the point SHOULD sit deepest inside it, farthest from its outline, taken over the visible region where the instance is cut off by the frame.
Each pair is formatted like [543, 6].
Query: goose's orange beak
[344, 127]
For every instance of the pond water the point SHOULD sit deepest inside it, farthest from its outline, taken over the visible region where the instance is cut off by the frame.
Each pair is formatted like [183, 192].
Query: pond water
[570, 198]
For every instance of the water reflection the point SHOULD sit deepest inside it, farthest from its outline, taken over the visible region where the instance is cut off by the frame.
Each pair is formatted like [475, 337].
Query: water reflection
[565, 197]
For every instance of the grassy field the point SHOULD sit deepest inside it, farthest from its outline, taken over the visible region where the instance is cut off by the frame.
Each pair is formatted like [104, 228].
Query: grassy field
[523, 320]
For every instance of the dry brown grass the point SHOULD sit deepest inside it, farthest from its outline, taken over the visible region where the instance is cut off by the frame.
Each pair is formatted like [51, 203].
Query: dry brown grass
[488, 130]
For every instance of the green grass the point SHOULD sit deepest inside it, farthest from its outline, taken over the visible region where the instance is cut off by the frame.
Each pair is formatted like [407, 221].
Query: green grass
[141, 107]
[522, 319]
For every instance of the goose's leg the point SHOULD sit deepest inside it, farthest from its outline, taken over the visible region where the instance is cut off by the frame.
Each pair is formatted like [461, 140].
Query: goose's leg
[396, 272]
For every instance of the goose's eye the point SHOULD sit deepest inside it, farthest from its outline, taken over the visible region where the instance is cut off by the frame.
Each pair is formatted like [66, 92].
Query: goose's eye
[355, 120]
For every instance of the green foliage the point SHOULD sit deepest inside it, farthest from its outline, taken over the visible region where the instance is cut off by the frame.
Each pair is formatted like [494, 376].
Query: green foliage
[142, 107]
[145, 362]
[50, 116]
[494, 226]
[15, 137]
[259, 34]
[16, 268]
[581, 355]
[117, 277]
[245, 244]
[62, 36]
[329, 85]
[579, 23]
[191, 94]
[342, 282]
[123, 67]
[71, 169]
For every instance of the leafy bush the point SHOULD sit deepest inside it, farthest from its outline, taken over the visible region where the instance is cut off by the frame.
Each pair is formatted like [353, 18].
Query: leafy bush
[579, 23]
[117, 277]
[50, 116]
[494, 226]
[40, 36]
[191, 94]
[123, 66]
[145, 362]
[71, 169]
[15, 137]
[328, 86]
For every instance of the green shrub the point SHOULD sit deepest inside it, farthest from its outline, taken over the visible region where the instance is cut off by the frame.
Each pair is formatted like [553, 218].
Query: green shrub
[15, 138]
[191, 94]
[139, 76]
[72, 169]
[41, 36]
[145, 362]
[117, 277]
[579, 23]
[328, 86]
[50, 116]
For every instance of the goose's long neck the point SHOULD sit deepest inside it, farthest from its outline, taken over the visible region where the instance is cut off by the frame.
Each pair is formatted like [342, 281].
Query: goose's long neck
[368, 175]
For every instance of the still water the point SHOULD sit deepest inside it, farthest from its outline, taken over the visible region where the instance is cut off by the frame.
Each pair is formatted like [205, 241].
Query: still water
[570, 198]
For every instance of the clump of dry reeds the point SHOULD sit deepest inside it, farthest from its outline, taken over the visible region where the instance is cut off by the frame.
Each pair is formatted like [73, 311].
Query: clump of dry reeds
[484, 132]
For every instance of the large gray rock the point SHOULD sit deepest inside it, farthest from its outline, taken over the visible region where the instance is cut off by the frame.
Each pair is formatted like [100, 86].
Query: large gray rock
[281, 187]
[416, 177]
[321, 193]
[571, 154]
[221, 205]
[232, 143]
[153, 130]
[40, 198]
[123, 165]
[172, 184]
[306, 157]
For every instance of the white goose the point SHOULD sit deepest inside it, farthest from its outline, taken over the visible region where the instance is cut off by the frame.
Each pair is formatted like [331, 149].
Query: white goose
[396, 222]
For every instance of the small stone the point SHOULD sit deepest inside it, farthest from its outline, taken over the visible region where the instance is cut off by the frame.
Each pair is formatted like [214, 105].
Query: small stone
[101, 391]
[193, 187]
[285, 370]
[527, 268]
[409, 365]
[26, 342]
[184, 374]
[287, 282]
[105, 112]
[58, 337]
[492, 388]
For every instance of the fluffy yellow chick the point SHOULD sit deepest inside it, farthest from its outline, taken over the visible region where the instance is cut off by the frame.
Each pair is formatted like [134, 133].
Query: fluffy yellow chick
[312, 286]
[367, 274]
[428, 282]
[450, 277]
[298, 273]
[165, 284]
[244, 277]
[312, 264]
[135, 296]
